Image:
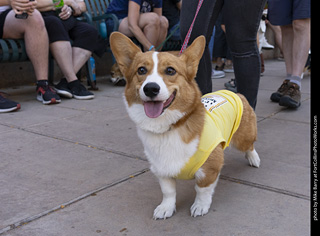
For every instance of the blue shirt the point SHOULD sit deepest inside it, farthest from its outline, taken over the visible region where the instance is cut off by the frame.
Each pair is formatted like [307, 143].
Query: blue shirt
[120, 7]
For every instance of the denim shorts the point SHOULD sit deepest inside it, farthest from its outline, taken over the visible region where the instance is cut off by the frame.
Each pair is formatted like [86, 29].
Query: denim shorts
[283, 12]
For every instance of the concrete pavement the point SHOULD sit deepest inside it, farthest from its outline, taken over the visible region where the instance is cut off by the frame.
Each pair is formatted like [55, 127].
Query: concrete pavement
[78, 168]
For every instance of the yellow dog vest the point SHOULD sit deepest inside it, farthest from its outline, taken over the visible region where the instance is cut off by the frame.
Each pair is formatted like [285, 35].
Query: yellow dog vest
[223, 115]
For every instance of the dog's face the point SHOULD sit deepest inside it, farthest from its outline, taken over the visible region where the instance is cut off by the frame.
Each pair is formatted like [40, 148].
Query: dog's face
[160, 86]
[116, 75]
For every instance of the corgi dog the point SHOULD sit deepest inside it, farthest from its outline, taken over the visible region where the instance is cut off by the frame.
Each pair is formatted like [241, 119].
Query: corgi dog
[176, 126]
[116, 76]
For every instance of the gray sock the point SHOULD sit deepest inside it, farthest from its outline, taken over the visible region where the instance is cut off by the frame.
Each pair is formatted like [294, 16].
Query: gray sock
[296, 80]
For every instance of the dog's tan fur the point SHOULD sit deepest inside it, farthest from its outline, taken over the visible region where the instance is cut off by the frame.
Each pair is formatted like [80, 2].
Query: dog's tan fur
[187, 101]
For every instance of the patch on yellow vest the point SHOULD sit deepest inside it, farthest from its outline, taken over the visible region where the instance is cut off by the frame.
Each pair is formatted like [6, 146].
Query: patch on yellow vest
[223, 116]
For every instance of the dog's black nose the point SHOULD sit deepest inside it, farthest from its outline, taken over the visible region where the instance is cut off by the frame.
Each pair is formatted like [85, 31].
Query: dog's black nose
[151, 89]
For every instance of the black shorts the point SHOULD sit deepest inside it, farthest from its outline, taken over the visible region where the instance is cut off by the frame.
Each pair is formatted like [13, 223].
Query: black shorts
[3, 16]
[80, 33]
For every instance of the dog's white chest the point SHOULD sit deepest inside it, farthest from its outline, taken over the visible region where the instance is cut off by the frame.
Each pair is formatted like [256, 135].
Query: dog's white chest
[167, 153]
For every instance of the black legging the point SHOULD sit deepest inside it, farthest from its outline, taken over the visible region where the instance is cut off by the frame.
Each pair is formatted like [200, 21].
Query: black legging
[242, 20]
[82, 34]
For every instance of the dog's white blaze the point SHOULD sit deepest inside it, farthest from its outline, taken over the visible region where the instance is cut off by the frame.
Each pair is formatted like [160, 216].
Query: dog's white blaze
[155, 78]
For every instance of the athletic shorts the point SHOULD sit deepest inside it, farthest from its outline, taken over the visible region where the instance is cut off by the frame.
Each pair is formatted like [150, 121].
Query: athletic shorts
[283, 12]
[81, 34]
[3, 16]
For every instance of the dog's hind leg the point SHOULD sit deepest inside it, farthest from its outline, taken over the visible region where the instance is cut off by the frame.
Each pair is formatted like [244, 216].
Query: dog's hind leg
[246, 134]
[253, 158]
[207, 179]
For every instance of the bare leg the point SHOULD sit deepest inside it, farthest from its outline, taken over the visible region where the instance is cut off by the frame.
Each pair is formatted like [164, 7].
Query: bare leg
[287, 44]
[151, 26]
[35, 35]
[301, 45]
[62, 52]
[80, 57]
[163, 30]
[296, 44]
[277, 34]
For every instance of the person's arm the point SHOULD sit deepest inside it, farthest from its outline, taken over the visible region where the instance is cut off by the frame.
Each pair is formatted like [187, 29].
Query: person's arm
[45, 5]
[5, 3]
[78, 6]
[20, 6]
[133, 24]
[158, 11]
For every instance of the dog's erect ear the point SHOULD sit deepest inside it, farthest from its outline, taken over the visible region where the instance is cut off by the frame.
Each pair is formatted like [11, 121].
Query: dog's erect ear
[193, 54]
[123, 49]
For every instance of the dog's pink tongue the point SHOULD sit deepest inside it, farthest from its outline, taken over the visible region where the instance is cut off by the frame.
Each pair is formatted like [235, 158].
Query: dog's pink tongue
[153, 109]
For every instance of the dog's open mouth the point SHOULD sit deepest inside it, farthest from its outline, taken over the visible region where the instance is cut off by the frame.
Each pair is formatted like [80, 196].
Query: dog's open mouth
[154, 109]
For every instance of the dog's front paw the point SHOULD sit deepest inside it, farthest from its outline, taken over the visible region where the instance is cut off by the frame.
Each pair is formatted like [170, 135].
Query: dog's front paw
[199, 208]
[164, 211]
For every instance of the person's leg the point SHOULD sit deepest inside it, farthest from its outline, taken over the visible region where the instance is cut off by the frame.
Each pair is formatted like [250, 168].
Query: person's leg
[150, 25]
[203, 26]
[295, 58]
[62, 53]
[60, 45]
[35, 35]
[164, 24]
[301, 45]
[242, 20]
[287, 44]
[79, 57]
[277, 34]
[36, 39]
[85, 41]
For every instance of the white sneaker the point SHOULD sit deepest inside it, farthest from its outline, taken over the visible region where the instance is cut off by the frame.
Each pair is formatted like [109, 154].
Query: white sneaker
[216, 74]
[265, 44]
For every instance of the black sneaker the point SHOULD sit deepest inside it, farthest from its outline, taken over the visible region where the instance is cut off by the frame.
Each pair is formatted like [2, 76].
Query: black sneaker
[275, 97]
[7, 105]
[62, 88]
[292, 97]
[46, 94]
[231, 85]
[79, 91]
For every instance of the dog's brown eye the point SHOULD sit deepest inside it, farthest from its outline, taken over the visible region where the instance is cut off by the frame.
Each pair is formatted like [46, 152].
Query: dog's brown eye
[142, 70]
[170, 71]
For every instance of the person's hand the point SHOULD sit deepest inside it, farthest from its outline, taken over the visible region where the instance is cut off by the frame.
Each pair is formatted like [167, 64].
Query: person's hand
[66, 12]
[75, 6]
[20, 6]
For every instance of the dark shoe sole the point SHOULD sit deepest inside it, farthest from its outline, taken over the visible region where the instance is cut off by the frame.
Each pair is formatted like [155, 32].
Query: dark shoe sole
[286, 101]
[275, 97]
[63, 93]
[10, 109]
